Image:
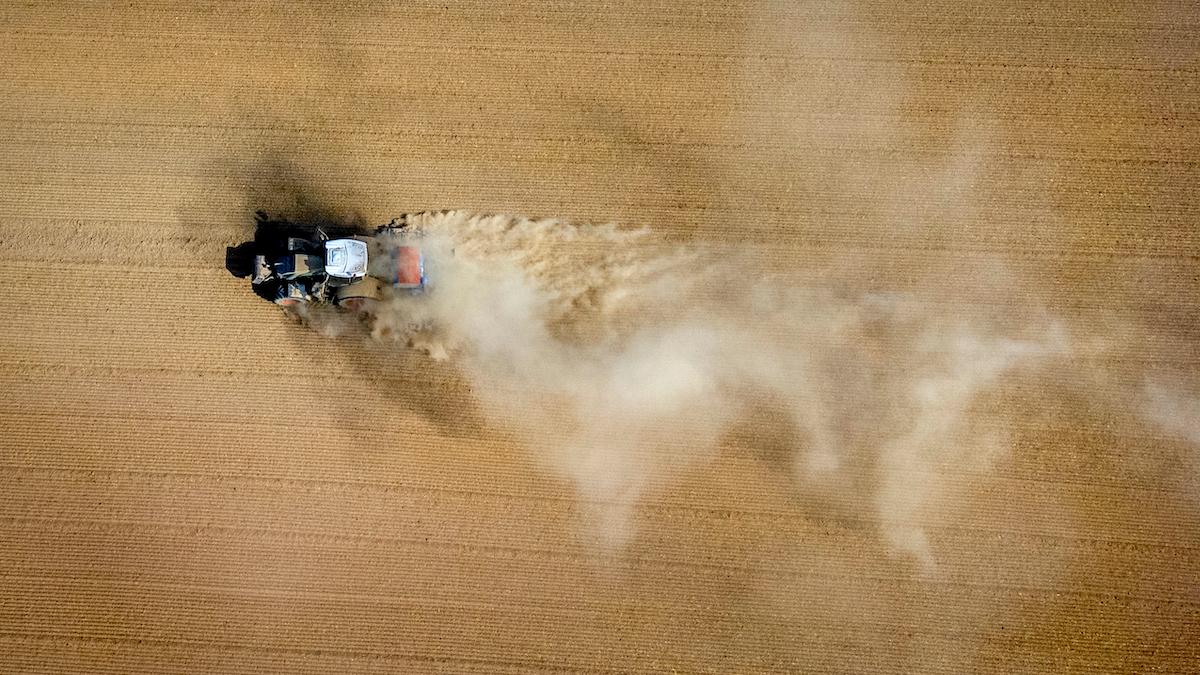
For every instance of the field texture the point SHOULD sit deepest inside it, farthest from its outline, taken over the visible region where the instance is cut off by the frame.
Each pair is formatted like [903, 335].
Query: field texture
[904, 377]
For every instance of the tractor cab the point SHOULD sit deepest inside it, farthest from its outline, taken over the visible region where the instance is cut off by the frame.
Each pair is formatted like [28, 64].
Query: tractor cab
[346, 258]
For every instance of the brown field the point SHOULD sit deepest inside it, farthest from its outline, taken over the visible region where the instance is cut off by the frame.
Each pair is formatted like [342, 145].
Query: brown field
[191, 483]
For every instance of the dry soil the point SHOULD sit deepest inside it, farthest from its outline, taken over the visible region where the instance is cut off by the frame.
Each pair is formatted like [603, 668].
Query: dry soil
[190, 483]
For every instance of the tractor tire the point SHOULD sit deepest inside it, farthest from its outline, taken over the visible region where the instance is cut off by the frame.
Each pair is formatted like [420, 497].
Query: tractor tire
[359, 295]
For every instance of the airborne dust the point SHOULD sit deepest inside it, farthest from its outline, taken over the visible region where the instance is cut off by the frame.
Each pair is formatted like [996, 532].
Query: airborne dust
[622, 359]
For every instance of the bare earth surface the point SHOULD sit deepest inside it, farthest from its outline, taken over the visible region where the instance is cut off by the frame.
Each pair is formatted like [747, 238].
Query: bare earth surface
[190, 483]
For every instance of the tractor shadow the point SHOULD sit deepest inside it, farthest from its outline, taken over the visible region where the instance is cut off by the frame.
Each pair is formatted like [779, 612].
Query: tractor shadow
[393, 376]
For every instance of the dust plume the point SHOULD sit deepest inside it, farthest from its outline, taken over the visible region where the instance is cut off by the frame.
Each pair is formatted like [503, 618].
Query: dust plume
[623, 360]
[1175, 408]
[1170, 406]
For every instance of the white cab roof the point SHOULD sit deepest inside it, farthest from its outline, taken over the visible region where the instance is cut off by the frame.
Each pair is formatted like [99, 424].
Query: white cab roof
[345, 258]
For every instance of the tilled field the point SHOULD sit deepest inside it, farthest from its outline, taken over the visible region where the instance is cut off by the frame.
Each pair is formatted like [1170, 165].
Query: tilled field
[192, 483]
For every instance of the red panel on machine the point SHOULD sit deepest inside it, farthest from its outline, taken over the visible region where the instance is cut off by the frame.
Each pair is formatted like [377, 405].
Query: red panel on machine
[409, 266]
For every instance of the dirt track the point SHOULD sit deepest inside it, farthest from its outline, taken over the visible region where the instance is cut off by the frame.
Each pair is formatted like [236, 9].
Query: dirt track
[191, 483]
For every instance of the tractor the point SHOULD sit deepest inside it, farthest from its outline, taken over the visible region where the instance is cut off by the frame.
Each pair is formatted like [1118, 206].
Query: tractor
[292, 264]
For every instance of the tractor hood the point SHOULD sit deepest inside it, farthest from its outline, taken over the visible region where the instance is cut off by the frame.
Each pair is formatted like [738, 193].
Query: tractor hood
[346, 258]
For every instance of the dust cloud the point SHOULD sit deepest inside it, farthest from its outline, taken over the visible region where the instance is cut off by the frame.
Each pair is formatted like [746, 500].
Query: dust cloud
[1169, 404]
[624, 360]
[1176, 410]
